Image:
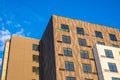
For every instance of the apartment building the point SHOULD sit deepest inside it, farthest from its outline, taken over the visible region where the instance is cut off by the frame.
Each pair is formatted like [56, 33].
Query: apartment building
[69, 49]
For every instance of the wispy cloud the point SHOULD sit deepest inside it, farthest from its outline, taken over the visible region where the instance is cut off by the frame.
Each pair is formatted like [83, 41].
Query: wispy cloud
[20, 33]
[8, 22]
[18, 25]
[0, 61]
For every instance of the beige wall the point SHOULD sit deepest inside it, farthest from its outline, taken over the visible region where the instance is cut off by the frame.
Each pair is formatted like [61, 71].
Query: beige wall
[21, 59]
[5, 60]
[102, 62]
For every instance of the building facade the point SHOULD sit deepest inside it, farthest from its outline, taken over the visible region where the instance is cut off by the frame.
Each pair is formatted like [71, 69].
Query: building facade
[21, 59]
[68, 50]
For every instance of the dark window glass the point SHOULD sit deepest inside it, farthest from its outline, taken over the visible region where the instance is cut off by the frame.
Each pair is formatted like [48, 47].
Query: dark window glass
[109, 53]
[80, 30]
[36, 58]
[112, 67]
[70, 78]
[35, 70]
[114, 45]
[113, 37]
[82, 42]
[102, 43]
[69, 66]
[86, 68]
[66, 39]
[35, 47]
[65, 27]
[84, 54]
[114, 78]
[67, 52]
[98, 34]
[87, 79]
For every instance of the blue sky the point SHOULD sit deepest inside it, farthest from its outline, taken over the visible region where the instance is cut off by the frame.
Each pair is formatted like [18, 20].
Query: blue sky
[29, 17]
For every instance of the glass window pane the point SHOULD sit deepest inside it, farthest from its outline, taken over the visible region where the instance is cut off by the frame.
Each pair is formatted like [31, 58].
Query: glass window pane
[113, 37]
[109, 53]
[86, 68]
[84, 54]
[67, 52]
[65, 28]
[82, 42]
[112, 67]
[66, 39]
[98, 34]
[69, 66]
[80, 30]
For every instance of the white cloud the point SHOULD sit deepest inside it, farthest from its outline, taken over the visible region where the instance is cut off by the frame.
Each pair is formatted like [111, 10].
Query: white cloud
[5, 34]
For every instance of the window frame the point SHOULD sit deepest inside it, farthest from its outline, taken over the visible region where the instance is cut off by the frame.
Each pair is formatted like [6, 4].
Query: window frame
[84, 54]
[87, 68]
[80, 30]
[112, 67]
[67, 52]
[98, 34]
[66, 39]
[82, 42]
[69, 66]
[108, 53]
[113, 37]
[65, 27]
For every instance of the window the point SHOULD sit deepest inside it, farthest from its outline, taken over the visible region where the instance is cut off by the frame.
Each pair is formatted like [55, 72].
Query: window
[86, 68]
[35, 70]
[80, 30]
[70, 78]
[113, 37]
[108, 53]
[87, 79]
[66, 39]
[35, 58]
[114, 78]
[84, 54]
[114, 45]
[69, 66]
[98, 34]
[82, 42]
[67, 52]
[112, 67]
[64, 27]
[35, 47]
[102, 43]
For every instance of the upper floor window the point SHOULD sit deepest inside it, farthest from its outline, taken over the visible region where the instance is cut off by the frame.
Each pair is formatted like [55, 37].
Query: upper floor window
[114, 45]
[35, 47]
[69, 66]
[70, 78]
[86, 68]
[84, 54]
[82, 42]
[112, 67]
[102, 43]
[113, 37]
[36, 58]
[35, 70]
[68, 52]
[65, 27]
[109, 53]
[66, 39]
[114, 78]
[98, 34]
[80, 30]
